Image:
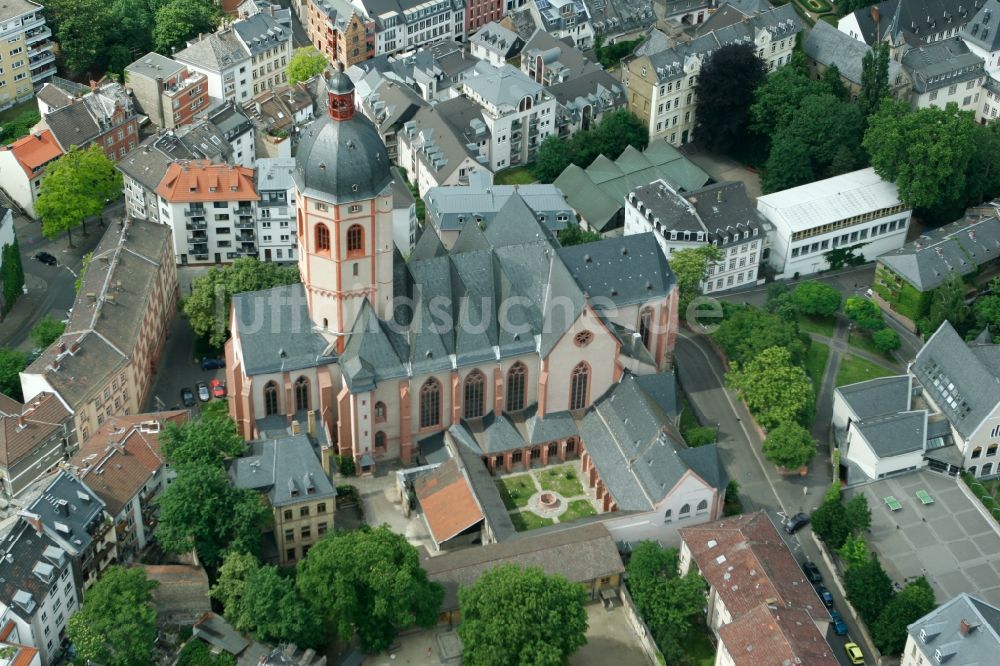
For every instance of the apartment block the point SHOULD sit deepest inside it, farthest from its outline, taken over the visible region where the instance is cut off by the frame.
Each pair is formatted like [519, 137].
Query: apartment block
[27, 59]
[34, 438]
[166, 90]
[22, 165]
[276, 209]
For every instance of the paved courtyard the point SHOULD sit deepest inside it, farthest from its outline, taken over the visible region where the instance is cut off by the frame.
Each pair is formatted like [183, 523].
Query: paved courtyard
[949, 541]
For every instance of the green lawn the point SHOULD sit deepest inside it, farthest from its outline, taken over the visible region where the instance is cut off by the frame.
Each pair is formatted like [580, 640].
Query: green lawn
[863, 340]
[699, 650]
[515, 491]
[815, 363]
[854, 369]
[515, 176]
[563, 479]
[578, 509]
[529, 521]
[688, 418]
[817, 325]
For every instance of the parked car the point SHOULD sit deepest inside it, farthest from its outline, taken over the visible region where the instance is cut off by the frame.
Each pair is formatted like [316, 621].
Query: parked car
[218, 388]
[839, 627]
[187, 397]
[46, 258]
[35, 353]
[812, 572]
[795, 523]
[825, 595]
[212, 363]
[203, 393]
[854, 654]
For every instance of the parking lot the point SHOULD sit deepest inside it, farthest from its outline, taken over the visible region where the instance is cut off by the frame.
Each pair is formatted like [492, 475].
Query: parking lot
[178, 368]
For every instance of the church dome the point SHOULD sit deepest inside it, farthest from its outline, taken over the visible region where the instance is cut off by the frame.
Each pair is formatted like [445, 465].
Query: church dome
[340, 156]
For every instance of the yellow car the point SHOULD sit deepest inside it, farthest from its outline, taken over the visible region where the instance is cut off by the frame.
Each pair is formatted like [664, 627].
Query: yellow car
[854, 654]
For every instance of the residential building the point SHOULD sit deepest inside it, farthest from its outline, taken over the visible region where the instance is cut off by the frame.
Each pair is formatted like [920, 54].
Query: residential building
[945, 72]
[38, 592]
[721, 215]
[856, 211]
[518, 112]
[270, 46]
[73, 516]
[106, 359]
[404, 25]
[434, 153]
[479, 14]
[828, 47]
[210, 211]
[276, 209]
[449, 209]
[980, 35]
[58, 92]
[27, 59]
[433, 71]
[564, 19]
[34, 438]
[329, 337]
[105, 116]
[389, 105]
[167, 91]
[583, 101]
[8, 237]
[238, 134]
[493, 42]
[760, 605]
[404, 214]
[224, 60]
[340, 30]
[586, 555]
[906, 23]
[615, 19]
[688, 12]
[963, 630]
[277, 115]
[661, 86]
[549, 60]
[13, 652]
[598, 192]
[22, 165]
[122, 464]
[296, 488]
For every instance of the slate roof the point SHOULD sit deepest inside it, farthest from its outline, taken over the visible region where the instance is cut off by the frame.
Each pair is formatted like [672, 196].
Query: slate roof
[43, 416]
[494, 37]
[596, 88]
[294, 476]
[745, 560]
[983, 29]
[261, 32]
[941, 64]
[483, 486]
[566, 61]
[69, 511]
[581, 554]
[22, 550]
[447, 501]
[828, 46]
[607, 269]
[448, 208]
[439, 144]
[598, 193]
[913, 21]
[87, 117]
[502, 87]
[769, 635]
[940, 630]
[494, 434]
[962, 380]
[877, 397]
[122, 277]
[959, 248]
[638, 454]
[216, 51]
[895, 434]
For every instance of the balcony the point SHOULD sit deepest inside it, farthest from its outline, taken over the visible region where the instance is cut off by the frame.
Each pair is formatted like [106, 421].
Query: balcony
[198, 248]
[194, 212]
[244, 223]
[244, 210]
[42, 73]
[37, 34]
[247, 249]
[246, 237]
[41, 58]
[200, 257]
[197, 226]
[197, 237]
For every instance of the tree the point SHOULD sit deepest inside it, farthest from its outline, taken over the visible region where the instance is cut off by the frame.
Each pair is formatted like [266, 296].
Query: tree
[12, 362]
[11, 275]
[926, 152]
[690, 267]
[76, 186]
[81, 28]
[259, 600]
[886, 340]
[947, 304]
[789, 446]
[78, 282]
[116, 625]
[983, 175]
[651, 561]
[197, 653]
[780, 302]
[816, 298]
[725, 91]
[864, 313]
[874, 79]
[746, 332]
[780, 94]
[554, 155]
[521, 616]
[854, 552]
[868, 588]
[369, 582]
[46, 331]
[831, 524]
[201, 510]
[833, 83]
[574, 234]
[859, 515]
[180, 20]
[912, 603]
[776, 390]
[789, 164]
[205, 441]
[306, 63]
[617, 131]
[207, 308]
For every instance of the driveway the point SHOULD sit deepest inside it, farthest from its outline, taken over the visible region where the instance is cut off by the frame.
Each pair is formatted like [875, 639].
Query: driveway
[177, 368]
[722, 168]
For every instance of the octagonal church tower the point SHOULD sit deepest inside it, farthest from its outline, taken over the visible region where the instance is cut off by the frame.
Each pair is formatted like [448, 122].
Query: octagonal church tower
[343, 203]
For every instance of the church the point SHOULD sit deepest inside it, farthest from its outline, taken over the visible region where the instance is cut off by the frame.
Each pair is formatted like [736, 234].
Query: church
[378, 353]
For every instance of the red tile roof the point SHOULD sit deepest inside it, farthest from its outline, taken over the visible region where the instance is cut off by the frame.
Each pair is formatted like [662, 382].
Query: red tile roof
[447, 501]
[200, 180]
[34, 151]
[746, 561]
[769, 635]
[41, 417]
[24, 654]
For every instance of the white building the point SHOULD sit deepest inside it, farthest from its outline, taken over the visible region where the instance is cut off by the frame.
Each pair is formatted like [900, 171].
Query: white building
[564, 18]
[720, 214]
[855, 211]
[22, 165]
[276, 209]
[403, 25]
[945, 72]
[963, 630]
[225, 62]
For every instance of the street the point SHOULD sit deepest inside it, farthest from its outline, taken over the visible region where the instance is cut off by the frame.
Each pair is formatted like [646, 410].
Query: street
[761, 488]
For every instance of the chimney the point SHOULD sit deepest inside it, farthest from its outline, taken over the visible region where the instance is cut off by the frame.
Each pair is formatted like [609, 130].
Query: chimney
[62, 347]
[311, 423]
[55, 364]
[964, 627]
[33, 520]
[20, 421]
[296, 429]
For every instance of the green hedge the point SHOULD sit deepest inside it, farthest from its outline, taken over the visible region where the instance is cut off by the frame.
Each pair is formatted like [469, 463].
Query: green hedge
[11, 275]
